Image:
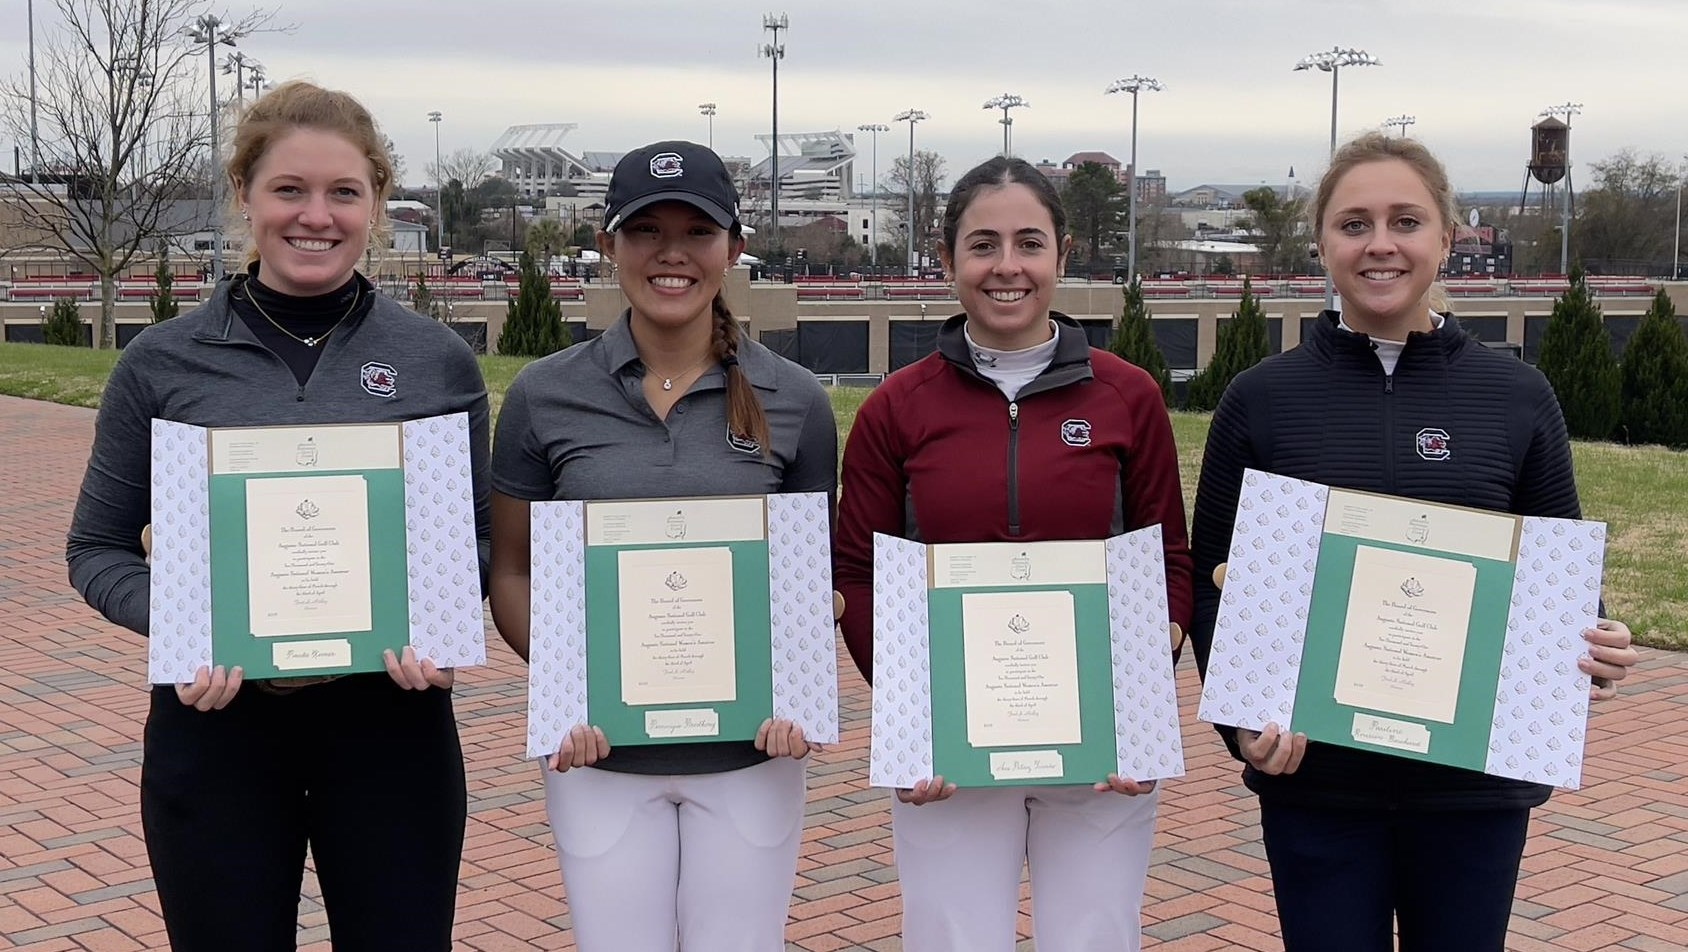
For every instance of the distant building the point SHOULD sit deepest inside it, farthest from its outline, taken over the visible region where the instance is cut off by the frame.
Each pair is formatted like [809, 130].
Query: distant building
[814, 166]
[534, 159]
[1231, 196]
[1151, 188]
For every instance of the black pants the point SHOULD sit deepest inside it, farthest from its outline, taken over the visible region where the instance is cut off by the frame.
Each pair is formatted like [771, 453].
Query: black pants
[1343, 878]
[370, 775]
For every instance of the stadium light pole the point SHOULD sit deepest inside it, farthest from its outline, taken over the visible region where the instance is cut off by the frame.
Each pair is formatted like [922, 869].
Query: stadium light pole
[1676, 252]
[873, 235]
[1565, 111]
[911, 116]
[774, 51]
[708, 111]
[208, 30]
[1399, 122]
[1005, 102]
[439, 179]
[1332, 61]
[238, 63]
[1134, 85]
[34, 133]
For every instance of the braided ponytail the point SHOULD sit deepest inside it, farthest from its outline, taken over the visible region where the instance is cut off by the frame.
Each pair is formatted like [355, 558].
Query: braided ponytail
[745, 417]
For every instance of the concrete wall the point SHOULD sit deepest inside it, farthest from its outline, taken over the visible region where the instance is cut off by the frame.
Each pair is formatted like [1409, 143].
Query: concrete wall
[775, 307]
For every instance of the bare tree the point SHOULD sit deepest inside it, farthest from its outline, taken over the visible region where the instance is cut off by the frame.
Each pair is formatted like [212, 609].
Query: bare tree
[465, 165]
[928, 179]
[397, 160]
[122, 126]
[1625, 223]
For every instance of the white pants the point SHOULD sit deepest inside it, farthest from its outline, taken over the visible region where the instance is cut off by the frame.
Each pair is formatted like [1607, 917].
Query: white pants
[702, 861]
[960, 859]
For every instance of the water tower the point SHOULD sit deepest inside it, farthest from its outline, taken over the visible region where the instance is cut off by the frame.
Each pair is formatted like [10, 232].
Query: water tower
[1550, 162]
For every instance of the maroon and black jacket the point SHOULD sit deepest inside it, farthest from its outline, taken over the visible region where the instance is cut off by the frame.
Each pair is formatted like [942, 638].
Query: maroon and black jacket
[938, 454]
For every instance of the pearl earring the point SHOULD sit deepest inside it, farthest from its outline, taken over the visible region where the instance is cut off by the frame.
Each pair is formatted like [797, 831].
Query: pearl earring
[245, 215]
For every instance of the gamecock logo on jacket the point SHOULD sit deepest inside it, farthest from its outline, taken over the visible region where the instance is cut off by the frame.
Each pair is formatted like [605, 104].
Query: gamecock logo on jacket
[1434, 444]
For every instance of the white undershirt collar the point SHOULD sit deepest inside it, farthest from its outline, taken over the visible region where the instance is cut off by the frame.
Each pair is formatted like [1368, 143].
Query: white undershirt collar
[1011, 370]
[1389, 351]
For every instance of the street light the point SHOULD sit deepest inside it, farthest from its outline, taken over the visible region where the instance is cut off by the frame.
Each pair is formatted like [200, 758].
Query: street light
[1399, 122]
[256, 81]
[873, 233]
[911, 116]
[1005, 102]
[1332, 61]
[774, 51]
[1565, 112]
[708, 109]
[1134, 85]
[439, 178]
[206, 30]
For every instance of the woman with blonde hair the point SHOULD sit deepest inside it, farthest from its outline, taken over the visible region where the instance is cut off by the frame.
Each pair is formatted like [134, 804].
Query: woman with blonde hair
[364, 769]
[1362, 843]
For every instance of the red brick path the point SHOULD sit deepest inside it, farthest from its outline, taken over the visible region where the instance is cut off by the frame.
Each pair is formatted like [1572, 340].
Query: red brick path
[1607, 867]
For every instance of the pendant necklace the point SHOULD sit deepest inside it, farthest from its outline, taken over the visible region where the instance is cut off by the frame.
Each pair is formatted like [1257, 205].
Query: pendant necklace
[357, 295]
[668, 379]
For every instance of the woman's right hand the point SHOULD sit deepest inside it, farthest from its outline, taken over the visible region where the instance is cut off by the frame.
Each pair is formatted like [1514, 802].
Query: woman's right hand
[927, 791]
[583, 746]
[210, 690]
[1273, 751]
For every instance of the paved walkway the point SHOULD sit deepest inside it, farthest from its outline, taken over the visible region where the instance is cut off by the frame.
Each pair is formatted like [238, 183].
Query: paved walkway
[1607, 867]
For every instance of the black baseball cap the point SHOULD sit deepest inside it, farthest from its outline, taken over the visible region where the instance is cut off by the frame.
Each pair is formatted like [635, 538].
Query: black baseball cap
[673, 171]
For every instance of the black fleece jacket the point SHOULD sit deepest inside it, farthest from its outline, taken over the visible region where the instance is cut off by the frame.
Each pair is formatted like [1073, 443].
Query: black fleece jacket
[1456, 423]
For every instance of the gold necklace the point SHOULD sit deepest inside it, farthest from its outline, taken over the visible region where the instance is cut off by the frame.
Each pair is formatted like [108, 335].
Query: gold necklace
[357, 295]
[668, 379]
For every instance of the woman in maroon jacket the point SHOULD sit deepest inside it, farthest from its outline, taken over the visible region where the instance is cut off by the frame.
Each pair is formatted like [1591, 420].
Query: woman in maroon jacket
[1015, 430]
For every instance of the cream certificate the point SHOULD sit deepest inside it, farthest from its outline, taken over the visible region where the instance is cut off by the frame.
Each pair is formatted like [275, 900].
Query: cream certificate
[307, 555]
[1021, 661]
[1403, 644]
[677, 626]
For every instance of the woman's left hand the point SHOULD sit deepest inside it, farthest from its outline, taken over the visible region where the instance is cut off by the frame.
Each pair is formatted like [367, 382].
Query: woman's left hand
[413, 675]
[778, 737]
[1610, 656]
[1130, 788]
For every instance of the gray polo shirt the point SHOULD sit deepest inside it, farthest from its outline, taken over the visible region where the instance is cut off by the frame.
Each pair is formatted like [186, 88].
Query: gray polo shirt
[576, 425]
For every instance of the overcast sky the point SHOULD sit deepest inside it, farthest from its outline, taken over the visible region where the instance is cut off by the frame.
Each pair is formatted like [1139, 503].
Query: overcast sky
[1474, 73]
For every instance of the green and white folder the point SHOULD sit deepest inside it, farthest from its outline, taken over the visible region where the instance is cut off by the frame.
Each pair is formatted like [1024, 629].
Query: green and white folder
[1424, 631]
[1022, 663]
[309, 550]
[681, 620]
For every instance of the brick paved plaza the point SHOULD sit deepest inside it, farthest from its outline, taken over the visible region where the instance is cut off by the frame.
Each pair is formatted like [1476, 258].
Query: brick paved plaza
[1607, 867]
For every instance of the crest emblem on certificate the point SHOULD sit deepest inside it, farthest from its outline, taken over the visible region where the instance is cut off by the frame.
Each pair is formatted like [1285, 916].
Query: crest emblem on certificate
[675, 527]
[1020, 567]
[1412, 588]
[306, 454]
[307, 510]
[1418, 529]
[1019, 625]
[675, 581]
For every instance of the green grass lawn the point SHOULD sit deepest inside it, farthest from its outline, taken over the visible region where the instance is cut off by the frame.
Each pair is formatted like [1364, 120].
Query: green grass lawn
[1640, 492]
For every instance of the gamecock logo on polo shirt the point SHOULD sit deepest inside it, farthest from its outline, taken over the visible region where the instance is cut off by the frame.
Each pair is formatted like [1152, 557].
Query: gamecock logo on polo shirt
[1434, 444]
[379, 379]
[743, 442]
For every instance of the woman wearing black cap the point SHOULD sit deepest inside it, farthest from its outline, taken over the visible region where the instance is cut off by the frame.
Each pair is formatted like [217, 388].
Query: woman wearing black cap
[697, 840]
